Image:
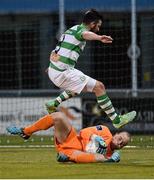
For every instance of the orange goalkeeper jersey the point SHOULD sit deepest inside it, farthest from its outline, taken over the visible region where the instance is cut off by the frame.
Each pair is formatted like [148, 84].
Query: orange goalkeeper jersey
[79, 141]
[99, 130]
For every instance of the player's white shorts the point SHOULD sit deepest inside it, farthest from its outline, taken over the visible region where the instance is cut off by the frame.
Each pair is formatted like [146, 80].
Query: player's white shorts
[71, 79]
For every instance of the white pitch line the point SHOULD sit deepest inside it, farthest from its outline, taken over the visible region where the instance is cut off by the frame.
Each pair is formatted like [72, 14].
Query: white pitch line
[52, 146]
[27, 146]
[138, 146]
[131, 146]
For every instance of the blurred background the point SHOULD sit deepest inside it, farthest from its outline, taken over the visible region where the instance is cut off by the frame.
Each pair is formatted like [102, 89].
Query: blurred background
[29, 30]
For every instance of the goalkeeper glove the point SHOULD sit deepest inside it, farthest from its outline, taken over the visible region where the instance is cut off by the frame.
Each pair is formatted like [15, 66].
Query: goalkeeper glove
[62, 157]
[101, 145]
[114, 158]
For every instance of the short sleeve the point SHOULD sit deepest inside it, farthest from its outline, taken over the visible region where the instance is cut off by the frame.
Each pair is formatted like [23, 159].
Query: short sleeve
[79, 32]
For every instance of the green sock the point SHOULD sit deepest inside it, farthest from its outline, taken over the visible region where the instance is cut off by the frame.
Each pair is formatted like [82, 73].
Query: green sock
[106, 104]
[64, 96]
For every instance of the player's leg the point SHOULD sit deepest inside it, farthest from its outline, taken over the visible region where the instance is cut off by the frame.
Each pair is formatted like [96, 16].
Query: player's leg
[53, 104]
[103, 100]
[76, 81]
[61, 79]
[72, 81]
[42, 124]
[106, 104]
[62, 127]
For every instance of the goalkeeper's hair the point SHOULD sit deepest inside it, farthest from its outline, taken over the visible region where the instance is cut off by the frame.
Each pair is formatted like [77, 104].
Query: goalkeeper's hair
[91, 16]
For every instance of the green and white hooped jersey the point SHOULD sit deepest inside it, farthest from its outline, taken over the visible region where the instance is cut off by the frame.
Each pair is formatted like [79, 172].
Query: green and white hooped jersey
[70, 45]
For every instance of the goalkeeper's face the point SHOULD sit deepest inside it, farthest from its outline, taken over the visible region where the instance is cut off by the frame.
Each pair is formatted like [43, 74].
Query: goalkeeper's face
[120, 140]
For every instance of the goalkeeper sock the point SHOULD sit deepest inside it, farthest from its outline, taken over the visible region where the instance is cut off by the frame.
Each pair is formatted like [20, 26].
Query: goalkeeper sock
[42, 124]
[64, 96]
[106, 104]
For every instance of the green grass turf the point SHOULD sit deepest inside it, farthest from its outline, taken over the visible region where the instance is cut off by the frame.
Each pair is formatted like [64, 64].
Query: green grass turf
[34, 140]
[136, 140]
[41, 163]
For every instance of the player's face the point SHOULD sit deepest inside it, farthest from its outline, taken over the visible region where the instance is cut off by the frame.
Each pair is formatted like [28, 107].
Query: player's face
[95, 27]
[119, 140]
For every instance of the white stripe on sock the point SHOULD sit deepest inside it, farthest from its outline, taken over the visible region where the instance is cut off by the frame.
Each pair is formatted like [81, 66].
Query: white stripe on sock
[59, 99]
[102, 100]
[110, 110]
[106, 105]
[113, 116]
[65, 95]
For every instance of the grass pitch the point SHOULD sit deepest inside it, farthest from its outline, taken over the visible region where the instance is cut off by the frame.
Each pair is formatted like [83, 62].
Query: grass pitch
[40, 163]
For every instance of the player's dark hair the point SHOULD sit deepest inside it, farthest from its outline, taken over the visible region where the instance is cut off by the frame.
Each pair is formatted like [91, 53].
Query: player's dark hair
[91, 16]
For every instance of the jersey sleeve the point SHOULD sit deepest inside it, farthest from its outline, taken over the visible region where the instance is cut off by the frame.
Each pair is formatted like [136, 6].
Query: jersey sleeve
[82, 157]
[79, 32]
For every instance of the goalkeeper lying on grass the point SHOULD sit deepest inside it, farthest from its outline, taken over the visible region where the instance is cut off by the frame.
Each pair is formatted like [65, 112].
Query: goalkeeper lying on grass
[92, 144]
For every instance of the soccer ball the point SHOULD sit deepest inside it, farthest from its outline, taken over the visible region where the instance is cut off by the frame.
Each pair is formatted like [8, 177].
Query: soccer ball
[93, 145]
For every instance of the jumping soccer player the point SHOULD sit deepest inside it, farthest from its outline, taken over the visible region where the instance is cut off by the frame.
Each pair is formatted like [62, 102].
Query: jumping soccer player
[75, 147]
[63, 74]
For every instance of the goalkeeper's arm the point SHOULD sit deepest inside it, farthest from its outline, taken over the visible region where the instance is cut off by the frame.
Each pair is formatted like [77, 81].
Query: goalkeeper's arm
[84, 157]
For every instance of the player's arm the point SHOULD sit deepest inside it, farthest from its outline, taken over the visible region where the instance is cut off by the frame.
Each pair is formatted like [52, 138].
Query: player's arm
[88, 35]
[84, 157]
[81, 157]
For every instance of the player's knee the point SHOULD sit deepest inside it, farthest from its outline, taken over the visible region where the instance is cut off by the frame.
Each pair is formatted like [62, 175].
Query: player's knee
[57, 117]
[100, 86]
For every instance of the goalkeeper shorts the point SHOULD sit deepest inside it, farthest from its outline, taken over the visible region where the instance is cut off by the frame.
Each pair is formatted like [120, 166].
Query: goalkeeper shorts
[71, 143]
